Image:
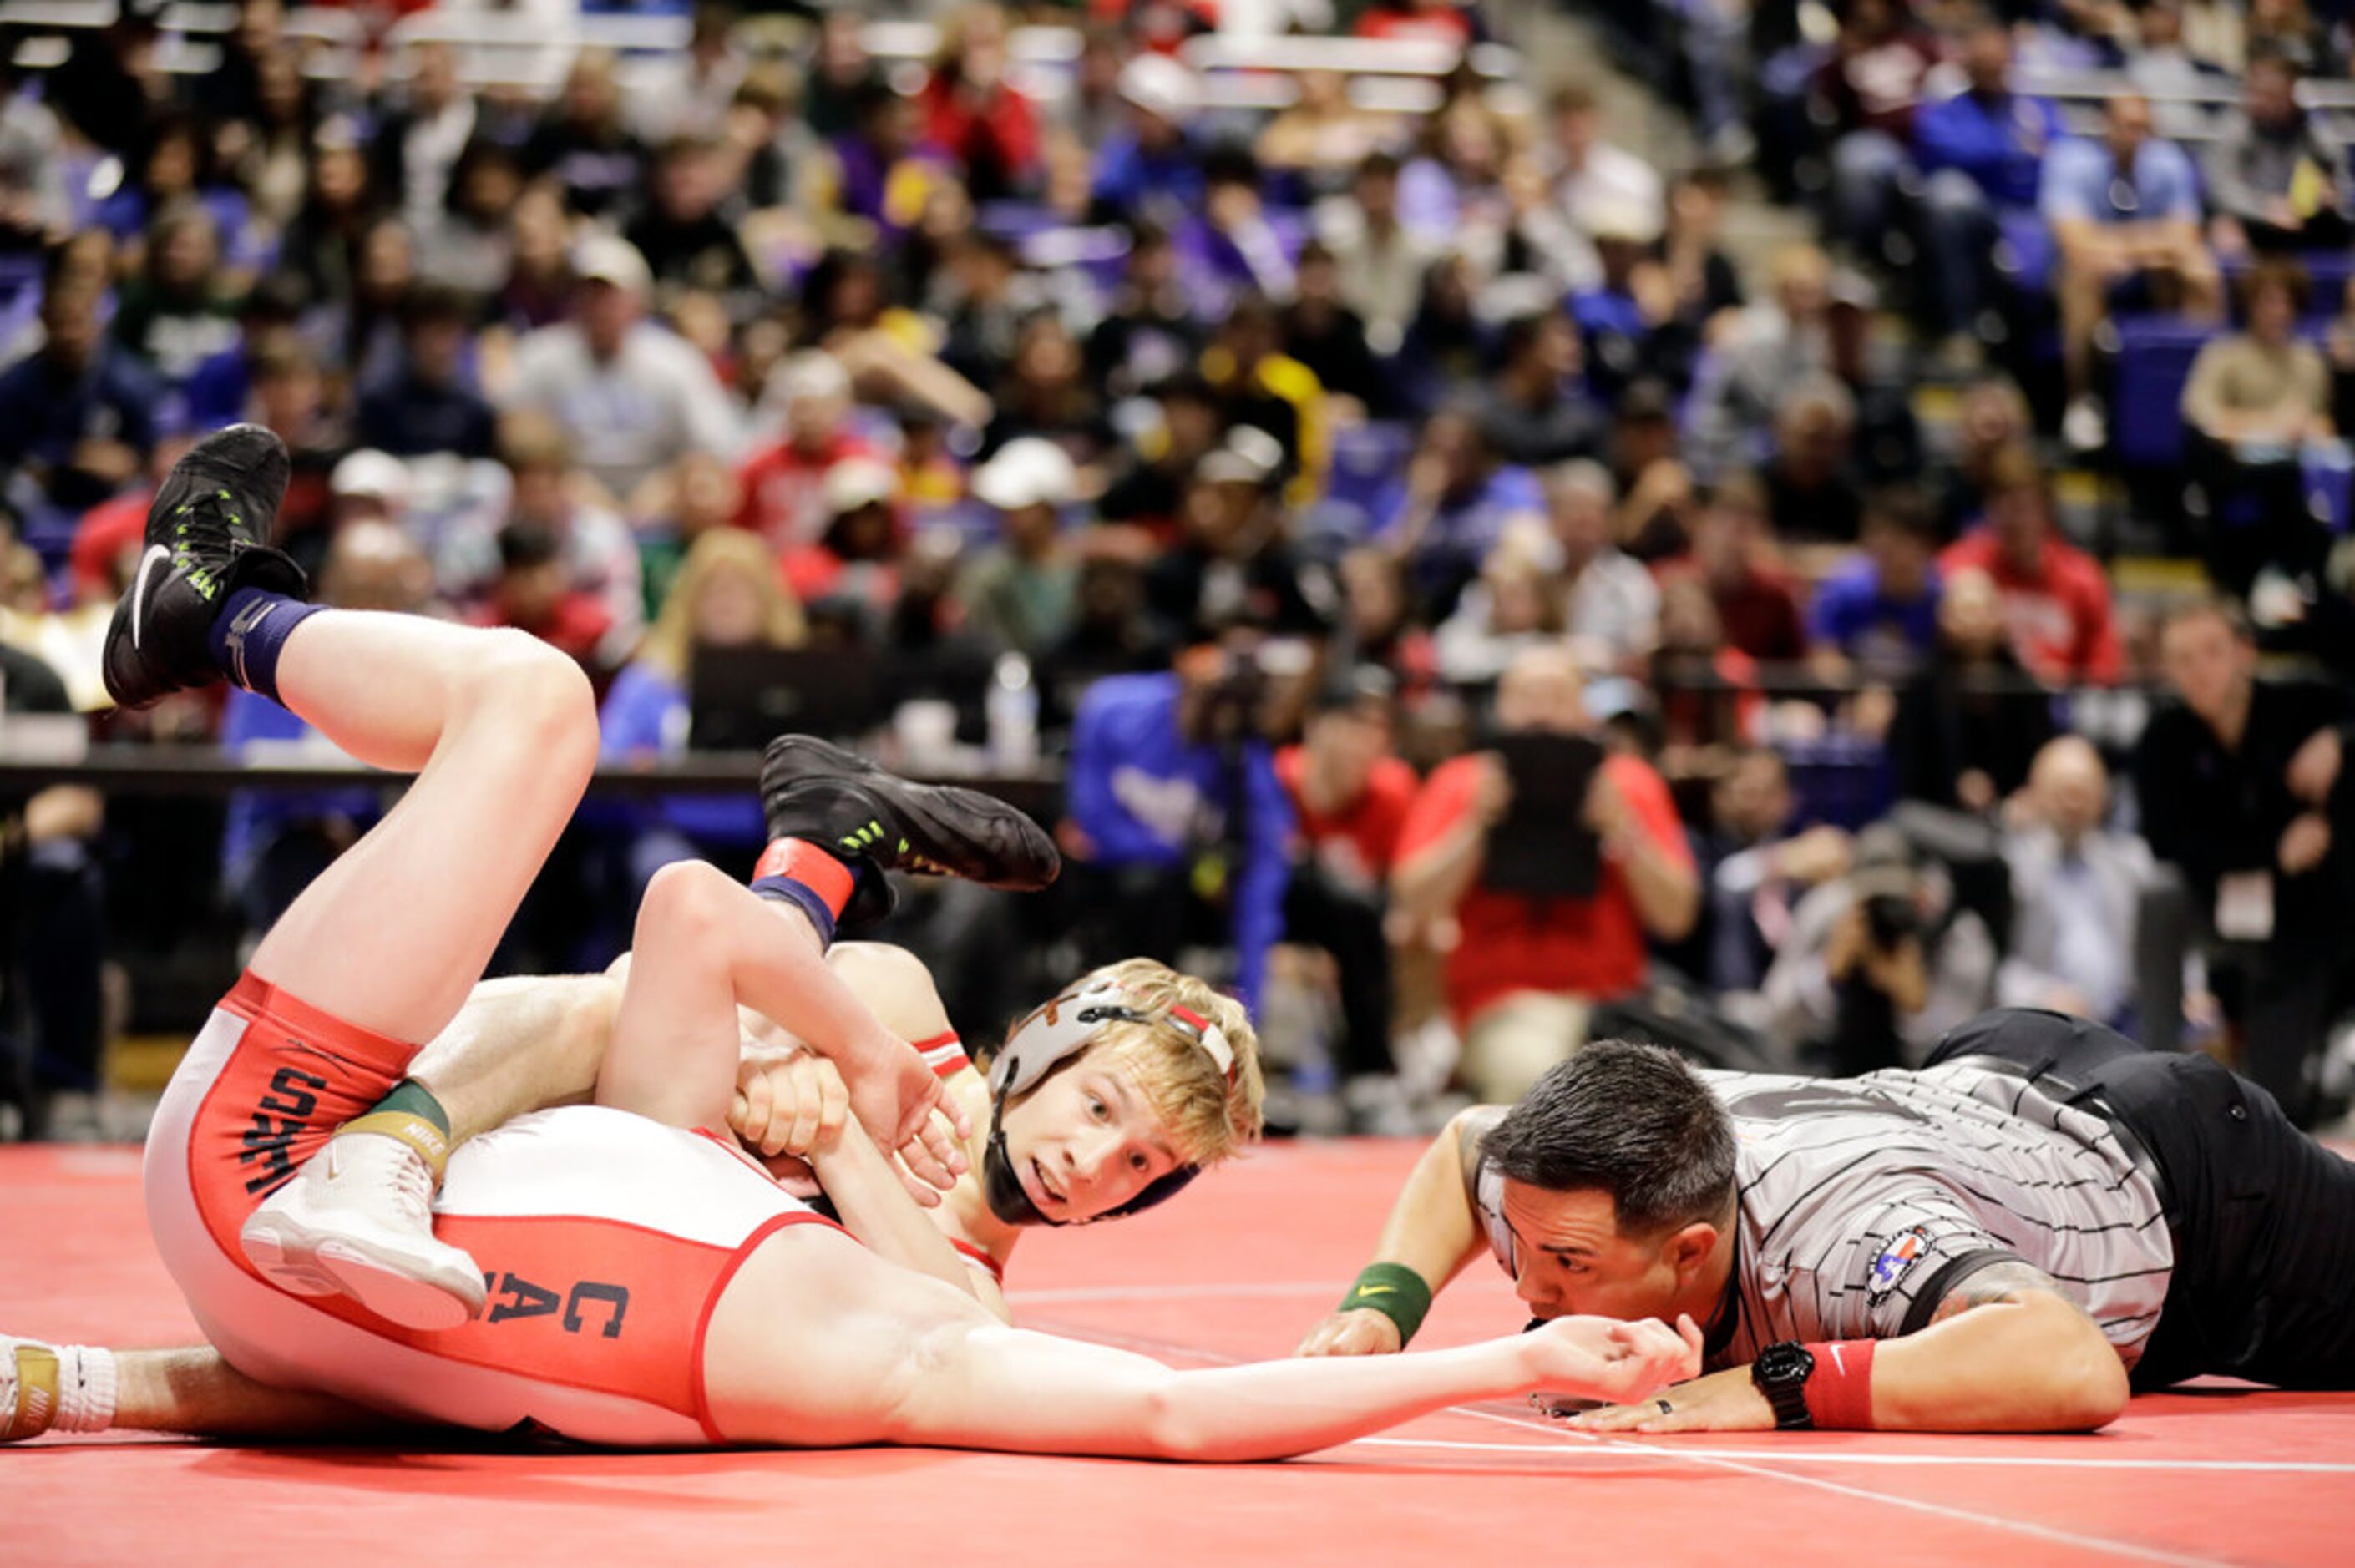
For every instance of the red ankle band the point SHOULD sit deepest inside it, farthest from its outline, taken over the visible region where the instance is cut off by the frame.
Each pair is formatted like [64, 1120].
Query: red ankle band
[812, 867]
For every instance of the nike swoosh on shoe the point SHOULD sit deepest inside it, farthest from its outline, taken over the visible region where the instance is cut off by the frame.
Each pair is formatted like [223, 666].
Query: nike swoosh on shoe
[139, 587]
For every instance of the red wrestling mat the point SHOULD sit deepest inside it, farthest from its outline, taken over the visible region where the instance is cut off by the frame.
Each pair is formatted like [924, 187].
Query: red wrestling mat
[1238, 1268]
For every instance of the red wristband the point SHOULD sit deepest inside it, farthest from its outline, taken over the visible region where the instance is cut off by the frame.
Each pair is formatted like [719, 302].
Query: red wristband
[1839, 1391]
[812, 867]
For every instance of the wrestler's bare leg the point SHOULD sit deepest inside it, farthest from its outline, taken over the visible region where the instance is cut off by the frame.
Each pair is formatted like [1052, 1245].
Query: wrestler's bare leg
[521, 1043]
[502, 730]
[392, 938]
[159, 1391]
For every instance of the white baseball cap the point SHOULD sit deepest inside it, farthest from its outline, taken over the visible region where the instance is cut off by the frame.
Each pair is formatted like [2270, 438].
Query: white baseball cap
[1029, 471]
[858, 482]
[1160, 86]
[1615, 215]
[607, 258]
[368, 472]
[811, 375]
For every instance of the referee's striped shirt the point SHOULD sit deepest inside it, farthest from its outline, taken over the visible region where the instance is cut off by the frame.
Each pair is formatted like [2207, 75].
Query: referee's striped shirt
[1864, 1201]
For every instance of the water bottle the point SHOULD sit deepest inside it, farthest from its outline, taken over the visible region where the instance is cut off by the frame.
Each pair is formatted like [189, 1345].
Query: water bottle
[1013, 713]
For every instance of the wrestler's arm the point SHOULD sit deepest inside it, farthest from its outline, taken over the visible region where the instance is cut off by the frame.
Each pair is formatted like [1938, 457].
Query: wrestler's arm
[1432, 1230]
[785, 1107]
[791, 1110]
[874, 1206]
[2004, 1352]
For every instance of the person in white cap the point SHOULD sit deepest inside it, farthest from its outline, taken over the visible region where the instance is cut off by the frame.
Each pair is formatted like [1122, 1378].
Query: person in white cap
[783, 483]
[1020, 593]
[857, 559]
[368, 485]
[634, 396]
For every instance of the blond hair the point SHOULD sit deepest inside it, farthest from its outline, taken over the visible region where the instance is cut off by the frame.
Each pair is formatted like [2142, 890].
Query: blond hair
[670, 641]
[1208, 1118]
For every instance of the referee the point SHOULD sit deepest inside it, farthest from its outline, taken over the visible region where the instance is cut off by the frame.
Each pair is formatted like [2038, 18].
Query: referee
[2007, 1240]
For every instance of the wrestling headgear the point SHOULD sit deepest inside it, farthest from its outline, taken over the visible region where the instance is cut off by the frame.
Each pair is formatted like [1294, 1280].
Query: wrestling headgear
[1052, 1035]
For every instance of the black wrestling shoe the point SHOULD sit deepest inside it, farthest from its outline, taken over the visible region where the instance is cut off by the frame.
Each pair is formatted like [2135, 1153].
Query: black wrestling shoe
[833, 797]
[204, 541]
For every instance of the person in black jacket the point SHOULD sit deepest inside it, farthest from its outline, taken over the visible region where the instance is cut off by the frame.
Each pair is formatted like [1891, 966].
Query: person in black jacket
[1968, 728]
[52, 927]
[430, 404]
[2244, 798]
[1537, 410]
[1323, 334]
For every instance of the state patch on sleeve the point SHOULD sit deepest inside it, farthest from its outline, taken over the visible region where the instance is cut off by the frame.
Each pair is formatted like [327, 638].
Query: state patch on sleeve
[1896, 1261]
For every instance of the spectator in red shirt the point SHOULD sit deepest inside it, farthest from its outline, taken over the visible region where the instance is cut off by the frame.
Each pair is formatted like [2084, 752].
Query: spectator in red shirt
[2055, 598]
[1708, 693]
[785, 483]
[853, 566]
[1350, 794]
[534, 594]
[1521, 972]
[1733, 553]
[108, 540]
[973, 114]
[1424, 21]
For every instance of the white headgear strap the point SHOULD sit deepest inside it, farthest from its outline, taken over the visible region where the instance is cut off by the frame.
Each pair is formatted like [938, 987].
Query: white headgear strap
[1059, 1030]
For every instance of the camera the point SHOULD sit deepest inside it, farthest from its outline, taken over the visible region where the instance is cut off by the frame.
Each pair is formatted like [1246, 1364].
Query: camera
[1889, 918]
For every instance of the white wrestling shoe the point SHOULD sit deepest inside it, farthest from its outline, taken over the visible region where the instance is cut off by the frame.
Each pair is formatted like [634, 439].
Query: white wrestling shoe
[60, 1388]
[28, 1388]
[358, 1221]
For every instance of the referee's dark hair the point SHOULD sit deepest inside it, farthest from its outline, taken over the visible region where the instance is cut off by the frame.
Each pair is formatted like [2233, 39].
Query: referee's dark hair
[1627, 1120]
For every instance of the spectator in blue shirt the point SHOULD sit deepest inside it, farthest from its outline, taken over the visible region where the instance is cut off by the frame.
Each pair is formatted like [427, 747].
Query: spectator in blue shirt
[1180, 829]
[1452, 505]
[1982, 153]
[2125, 216]
[77, 416]
[430, 404]
[1152, 171]
[1877, 617]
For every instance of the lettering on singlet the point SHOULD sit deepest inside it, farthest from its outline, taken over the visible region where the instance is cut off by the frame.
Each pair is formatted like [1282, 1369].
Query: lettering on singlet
[276, 1121]
[584, 1305]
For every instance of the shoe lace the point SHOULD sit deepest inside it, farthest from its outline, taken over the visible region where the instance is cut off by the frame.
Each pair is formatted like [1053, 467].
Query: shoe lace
[411, 1186]
[208, 522]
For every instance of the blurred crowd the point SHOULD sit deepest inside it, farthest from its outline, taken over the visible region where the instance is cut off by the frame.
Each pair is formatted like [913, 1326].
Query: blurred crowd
[1264, 455]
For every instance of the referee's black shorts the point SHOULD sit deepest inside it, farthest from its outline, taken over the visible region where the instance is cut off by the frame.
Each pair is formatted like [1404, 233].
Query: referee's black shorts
[2262, 1217]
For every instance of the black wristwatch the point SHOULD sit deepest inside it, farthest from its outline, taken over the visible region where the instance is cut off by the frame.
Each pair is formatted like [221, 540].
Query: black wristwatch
[1780, 1373]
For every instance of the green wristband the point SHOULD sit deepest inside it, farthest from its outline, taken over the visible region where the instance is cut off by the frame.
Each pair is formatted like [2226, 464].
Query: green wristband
[1394, 1290]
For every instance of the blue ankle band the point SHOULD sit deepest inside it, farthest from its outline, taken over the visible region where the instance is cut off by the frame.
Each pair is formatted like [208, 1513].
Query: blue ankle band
[804, 897]
[248, 634]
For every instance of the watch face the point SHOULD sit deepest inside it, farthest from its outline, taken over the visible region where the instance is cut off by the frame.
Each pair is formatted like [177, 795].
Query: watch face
[1784, 1364]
